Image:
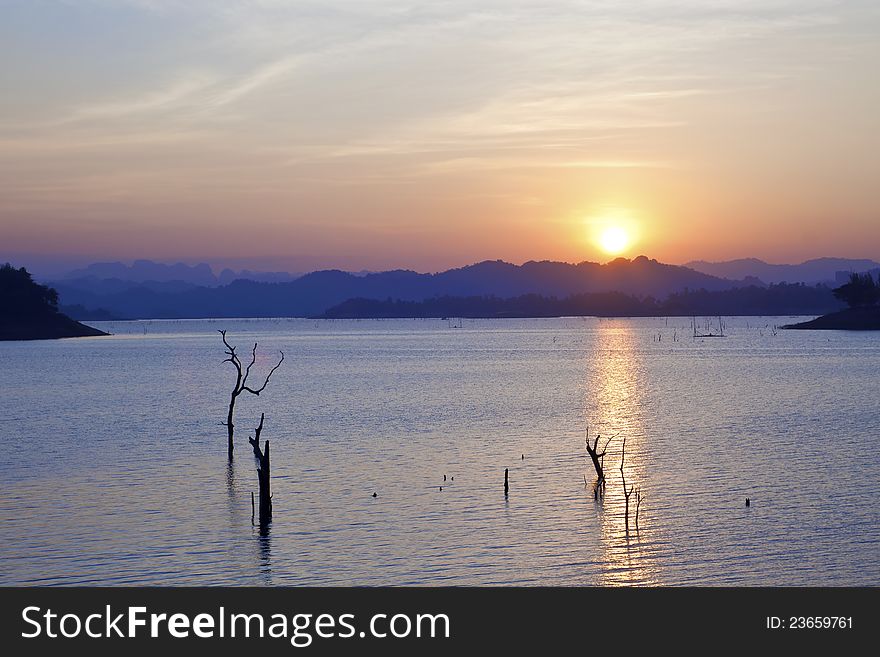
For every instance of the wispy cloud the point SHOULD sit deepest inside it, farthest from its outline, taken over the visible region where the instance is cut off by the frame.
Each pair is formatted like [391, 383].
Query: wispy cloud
[178, 94]
[261, 77]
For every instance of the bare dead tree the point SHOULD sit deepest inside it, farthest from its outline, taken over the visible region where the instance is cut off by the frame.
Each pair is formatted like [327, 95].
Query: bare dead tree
[263, 471]
[597, 457]
[626, 493]
[241, 379]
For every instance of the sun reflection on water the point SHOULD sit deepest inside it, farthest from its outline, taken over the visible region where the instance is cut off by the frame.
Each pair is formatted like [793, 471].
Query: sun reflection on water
[615, 406]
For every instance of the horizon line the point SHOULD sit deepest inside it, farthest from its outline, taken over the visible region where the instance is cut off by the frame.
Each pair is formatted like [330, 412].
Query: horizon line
[216, 268]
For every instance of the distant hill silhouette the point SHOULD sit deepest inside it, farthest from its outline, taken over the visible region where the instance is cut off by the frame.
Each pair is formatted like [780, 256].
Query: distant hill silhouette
[83, 314]
[780, 299]
[314, 293]
[227, 276]
[147, 271]
[819, 270]
[29, 311]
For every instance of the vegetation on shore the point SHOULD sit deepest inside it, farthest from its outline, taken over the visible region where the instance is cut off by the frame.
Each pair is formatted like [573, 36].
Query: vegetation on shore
[29, 311]
[862, 295]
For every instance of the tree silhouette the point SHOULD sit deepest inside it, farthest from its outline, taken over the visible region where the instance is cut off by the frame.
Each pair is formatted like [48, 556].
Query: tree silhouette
[860, 292]
[22, 297]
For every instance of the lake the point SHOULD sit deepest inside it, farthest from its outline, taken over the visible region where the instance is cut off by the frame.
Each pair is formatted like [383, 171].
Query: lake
[114, 467]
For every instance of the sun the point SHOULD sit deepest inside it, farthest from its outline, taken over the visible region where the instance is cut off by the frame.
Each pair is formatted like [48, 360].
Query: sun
[614, 240]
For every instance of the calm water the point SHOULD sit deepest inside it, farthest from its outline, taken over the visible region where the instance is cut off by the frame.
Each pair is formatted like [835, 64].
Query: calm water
[113, 468]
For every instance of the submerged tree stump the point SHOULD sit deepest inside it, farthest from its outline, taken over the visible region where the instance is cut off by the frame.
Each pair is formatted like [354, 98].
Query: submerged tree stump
[263, 473]
[597, 457]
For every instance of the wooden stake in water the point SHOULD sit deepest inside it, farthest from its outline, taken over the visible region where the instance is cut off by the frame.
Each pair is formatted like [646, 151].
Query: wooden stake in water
[506, 486]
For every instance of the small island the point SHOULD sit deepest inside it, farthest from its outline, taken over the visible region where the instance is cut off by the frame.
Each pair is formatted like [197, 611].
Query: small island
[29, 311]
[862, 295]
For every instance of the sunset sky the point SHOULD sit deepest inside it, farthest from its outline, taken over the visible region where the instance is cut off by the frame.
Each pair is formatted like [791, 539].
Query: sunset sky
[425, 135]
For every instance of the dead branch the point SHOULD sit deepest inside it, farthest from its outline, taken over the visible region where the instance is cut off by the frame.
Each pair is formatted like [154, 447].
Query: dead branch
[255, 441]
[639, 498]
[268, 376]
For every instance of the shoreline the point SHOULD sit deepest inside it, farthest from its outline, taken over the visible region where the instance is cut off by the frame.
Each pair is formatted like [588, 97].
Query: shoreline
[851, 319]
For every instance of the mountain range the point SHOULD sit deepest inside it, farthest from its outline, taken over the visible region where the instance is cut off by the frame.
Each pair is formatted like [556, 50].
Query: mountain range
[819, 270]
[147, 289]
[316, 292]
[147, 271]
